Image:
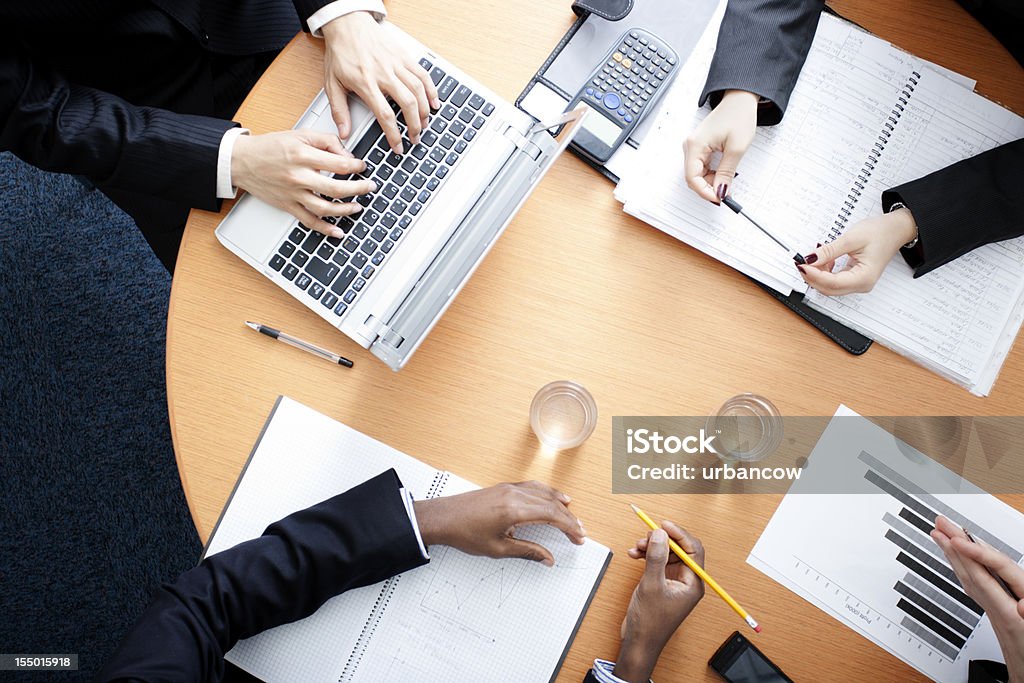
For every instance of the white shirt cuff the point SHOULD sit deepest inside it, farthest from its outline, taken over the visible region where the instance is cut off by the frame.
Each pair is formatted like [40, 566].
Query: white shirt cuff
[603, 672]
[411, 511]
[225, 189]
[340, 8]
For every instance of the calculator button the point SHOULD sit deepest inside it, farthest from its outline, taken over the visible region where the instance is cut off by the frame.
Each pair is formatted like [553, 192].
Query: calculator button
[612, 101]
[627, 63]
[628, 118]
[633, 35]
[590, 91]
[644, 41]
[617, 56]
[621, 112]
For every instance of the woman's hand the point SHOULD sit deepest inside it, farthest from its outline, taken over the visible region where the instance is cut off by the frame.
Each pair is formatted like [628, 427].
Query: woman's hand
[870, 245]
[362, 58]
[283, 169]
[728, 129]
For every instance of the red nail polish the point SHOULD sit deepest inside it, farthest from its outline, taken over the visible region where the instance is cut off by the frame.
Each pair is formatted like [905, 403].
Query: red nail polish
[819, 245]
[801, 269]
[720, 191]
[811, 259]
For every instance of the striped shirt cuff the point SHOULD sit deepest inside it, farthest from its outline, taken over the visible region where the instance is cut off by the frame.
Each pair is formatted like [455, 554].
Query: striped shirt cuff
[225, 188]
[603, 672]
[340, 8]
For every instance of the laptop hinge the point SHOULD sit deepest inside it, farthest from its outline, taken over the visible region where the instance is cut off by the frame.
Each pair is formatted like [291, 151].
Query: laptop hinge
[381, 332]
[521, 143]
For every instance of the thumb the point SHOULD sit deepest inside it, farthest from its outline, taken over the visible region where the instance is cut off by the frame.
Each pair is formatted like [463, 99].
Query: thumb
[657, 556]
[830, 251]
[338, 97]
[528, 550]
[731, 157]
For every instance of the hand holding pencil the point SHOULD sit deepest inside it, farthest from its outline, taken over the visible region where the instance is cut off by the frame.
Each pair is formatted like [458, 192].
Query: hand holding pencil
[664, 597]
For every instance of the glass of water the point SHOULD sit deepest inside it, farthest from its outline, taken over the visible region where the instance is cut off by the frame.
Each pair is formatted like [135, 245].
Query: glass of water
[563, 415]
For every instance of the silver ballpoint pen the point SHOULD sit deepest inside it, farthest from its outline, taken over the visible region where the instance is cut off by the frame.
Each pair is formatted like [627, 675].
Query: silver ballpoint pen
[735, 206]
[299, 344]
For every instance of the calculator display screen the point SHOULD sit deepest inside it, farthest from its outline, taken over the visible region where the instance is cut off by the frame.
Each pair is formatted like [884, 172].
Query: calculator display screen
[598, 125]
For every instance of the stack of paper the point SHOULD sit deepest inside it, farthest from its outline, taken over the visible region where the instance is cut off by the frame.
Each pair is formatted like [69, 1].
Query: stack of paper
[823, 169]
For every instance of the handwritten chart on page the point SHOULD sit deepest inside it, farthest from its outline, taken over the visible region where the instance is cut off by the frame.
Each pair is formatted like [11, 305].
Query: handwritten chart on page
[468, 617]
[867, 559]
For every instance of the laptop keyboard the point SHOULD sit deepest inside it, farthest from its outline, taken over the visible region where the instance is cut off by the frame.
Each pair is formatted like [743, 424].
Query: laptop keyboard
[335, 270]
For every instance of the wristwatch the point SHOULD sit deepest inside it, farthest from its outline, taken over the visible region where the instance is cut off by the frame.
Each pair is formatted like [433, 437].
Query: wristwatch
[900, 205]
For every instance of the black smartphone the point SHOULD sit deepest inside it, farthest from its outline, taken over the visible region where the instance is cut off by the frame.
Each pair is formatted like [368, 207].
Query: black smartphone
[738, 661]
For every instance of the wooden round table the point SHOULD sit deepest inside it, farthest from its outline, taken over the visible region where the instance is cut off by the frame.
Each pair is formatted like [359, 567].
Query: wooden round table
[575, 289]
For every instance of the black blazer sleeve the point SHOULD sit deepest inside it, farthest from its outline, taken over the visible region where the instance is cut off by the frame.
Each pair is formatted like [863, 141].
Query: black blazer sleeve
[58, 126]
[589, 678]
[354, 539]
[964, 206]
[762, 45]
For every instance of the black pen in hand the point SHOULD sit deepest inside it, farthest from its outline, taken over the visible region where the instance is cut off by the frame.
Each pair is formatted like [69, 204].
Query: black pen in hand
[735, 206]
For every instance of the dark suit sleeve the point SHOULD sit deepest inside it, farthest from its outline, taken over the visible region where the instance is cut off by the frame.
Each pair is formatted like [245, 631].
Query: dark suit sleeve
[762, 45]
[355, 539]
[590, 678]
[59, 126]
[964, 206]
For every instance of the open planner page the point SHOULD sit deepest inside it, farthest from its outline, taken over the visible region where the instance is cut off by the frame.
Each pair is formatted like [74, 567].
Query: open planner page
[962, 318]
[301, 459]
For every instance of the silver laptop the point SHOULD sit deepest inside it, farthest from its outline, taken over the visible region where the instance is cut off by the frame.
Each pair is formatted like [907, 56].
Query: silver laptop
[440, 207]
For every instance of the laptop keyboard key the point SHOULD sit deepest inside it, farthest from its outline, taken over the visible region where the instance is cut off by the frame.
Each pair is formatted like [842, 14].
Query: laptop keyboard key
[350, 244]
[312, 241]
[378, 234]
[349, 297]
[290, 271]
[466, 115]
[469, 135]
[460, 146]
[461, 95]
[425, 63]
[446, 89]
[409, 165]
[340, 309]
[417, 180]
[315, 290]
[457, 128]
[358, 260]
[370, 217]
[390, 191]
[442, 172]
[348, 273]
[448, 113]
[300, 258]
[401, 177]
[437, 154]
[427, 139]
[340, 257]
[368, 247]
[302, 281]
[329, 300]
[286, 249]
[476, 101]
[365, 199]
[376, 156]
[325, 251]
[388, 220]
[297, 235]
[367, 272]
[377, 259]
[479, 122]
[436, 74]
[409, 194]
[398, 232]
[360, 231]
[384, 172]
[277, 262]
[321, 270]
[419, 151]
[451, 159]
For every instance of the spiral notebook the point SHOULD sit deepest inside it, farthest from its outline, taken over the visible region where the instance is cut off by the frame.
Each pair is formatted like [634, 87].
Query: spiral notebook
[458, 618]
[865, 116]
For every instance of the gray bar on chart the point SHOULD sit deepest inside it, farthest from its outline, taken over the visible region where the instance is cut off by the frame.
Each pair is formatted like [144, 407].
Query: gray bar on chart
[936, 504]
[913, 532]
[939, 567]
[940, 598]
[902, 496]
[933, 610]
[927, 636]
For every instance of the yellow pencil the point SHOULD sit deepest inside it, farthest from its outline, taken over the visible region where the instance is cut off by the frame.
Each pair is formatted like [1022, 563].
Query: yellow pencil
[699, 571]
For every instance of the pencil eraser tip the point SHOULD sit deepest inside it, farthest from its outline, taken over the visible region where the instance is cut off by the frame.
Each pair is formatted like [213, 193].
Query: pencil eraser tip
[757, 629]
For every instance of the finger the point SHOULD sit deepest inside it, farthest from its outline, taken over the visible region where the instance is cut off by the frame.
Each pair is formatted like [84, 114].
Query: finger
[726, 171]
[657, 556]
[311, 220]
[529, 550]
[421, 106]
[858, 278]
[554, 514]
[340, 189]
[695, 158]
[428, 85]
[378, 104]
[951, 554]
[687, 541]
[334, 163]
[326, 142]
[992, 559]
[949, 528]
[338, 98]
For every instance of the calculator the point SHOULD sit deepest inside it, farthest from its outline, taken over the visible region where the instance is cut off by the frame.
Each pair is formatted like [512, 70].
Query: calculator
[623, 88]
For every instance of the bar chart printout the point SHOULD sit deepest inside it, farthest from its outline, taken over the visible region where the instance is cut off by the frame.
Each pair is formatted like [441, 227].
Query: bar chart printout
[865, 555]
